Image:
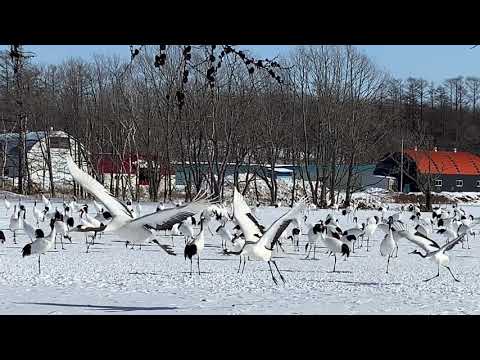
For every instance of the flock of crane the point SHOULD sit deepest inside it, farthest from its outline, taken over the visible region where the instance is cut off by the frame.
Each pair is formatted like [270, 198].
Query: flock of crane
[237, 227]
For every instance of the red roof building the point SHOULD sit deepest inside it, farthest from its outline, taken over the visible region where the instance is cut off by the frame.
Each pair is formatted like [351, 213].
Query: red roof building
[445, 162]
[108, 164]
[447, 170]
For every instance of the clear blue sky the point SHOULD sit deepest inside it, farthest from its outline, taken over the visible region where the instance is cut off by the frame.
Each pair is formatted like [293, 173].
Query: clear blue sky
[432, 62]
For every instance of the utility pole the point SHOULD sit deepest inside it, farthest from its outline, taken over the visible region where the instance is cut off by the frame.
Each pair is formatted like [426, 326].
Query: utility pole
[17, 61]
[18, 58]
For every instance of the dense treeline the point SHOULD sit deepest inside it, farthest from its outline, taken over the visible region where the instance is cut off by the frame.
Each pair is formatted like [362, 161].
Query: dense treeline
[332, 106]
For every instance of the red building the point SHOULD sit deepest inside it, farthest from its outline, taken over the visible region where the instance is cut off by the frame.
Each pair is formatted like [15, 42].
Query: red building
[449, 170]
[109, 165]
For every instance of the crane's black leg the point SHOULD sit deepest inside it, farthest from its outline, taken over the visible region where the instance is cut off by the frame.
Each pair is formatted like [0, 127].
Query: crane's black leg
[244, 263]
[448, 267]
[271, 272]
[279, 273]
[308, 254]
[335, 263]
[39, 264]
[388, 262]
[61, 240]
[368, 241]
[433, 277]
[314, 248]
[191, 267]
[198, 264]
[239, 264]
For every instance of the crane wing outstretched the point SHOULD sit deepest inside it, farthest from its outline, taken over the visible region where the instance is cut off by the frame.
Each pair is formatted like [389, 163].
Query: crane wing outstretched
[451, 244]
[165, 219]
[247, 222]
[166, 248]
[422, 241]
[115, 207]
[421, 229]
[275, 230]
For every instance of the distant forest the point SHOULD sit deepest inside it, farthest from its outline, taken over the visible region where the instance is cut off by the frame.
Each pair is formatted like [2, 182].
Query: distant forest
[216, 104]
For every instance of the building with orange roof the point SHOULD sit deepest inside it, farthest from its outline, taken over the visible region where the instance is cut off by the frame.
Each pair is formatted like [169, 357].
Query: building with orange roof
[447, 170]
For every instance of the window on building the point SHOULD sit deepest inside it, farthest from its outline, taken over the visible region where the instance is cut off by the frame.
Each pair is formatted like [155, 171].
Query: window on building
[459, 183]
[478, 183]
[438, 183]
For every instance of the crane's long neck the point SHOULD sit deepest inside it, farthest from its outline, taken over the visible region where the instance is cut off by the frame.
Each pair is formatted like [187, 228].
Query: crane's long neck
[419, 253]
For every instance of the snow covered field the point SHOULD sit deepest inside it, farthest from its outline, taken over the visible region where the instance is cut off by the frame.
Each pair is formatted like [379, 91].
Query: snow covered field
[111, 279]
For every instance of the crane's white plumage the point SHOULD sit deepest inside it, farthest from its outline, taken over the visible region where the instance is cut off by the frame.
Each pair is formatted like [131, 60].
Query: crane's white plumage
[244, 218]
[40, 245]
[387, 246]
[260, 245]
[123, 223]
[433, 251]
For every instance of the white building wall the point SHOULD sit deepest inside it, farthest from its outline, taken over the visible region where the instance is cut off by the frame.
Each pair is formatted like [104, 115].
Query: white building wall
[37, 156]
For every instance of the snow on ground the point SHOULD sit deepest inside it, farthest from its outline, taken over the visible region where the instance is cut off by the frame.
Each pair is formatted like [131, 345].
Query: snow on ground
[111, 279]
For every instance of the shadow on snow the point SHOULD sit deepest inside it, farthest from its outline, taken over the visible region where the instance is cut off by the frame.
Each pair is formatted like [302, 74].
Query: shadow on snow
[105, 307]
